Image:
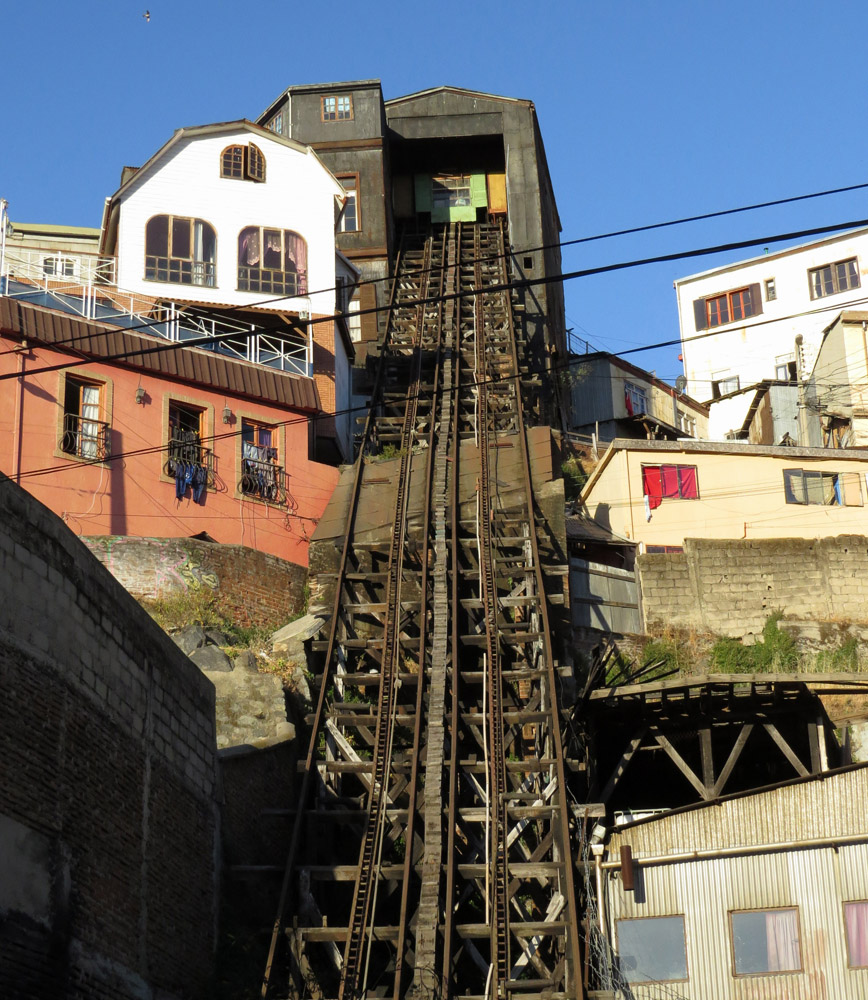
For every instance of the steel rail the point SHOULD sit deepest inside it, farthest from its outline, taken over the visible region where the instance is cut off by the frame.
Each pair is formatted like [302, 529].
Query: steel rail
[497, 784]
[427, 549]
[361, 912]
[329, 657]
[566, 853]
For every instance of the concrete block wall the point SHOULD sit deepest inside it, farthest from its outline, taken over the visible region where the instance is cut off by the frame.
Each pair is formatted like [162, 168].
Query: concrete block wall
[731, 586]
[253, 587]
[108, 811]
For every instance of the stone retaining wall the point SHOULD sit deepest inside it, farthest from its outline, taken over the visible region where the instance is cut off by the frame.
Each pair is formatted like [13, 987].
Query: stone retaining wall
[252, 587]
[108, 814]
[731, 586]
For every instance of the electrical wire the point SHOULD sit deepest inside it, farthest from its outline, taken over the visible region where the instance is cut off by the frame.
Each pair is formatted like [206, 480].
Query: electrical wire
[521, 283]
[514, 251]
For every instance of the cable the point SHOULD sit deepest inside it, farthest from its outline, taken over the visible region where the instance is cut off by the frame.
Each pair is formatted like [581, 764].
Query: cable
[487, 290]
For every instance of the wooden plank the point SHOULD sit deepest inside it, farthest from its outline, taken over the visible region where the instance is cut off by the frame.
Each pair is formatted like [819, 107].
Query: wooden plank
[707, 757]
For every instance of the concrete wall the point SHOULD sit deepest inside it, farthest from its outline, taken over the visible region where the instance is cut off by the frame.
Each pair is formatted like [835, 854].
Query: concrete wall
[254, 587]
[731, 587]
[741, 492]
[108, 817]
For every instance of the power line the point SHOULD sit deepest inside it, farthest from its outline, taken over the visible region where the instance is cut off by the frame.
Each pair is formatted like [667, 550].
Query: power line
[487, 290]
[514, 251]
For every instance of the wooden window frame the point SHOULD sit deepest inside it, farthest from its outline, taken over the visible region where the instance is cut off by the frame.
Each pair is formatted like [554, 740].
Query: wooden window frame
[278, 430]
[340, 178]
[833, 275]
[765, 909]
[106, 401]
[246, 169]
[208, 268]
[206, 411]
[656, 916]
[712, 311]
[265, 285]
[336, 116]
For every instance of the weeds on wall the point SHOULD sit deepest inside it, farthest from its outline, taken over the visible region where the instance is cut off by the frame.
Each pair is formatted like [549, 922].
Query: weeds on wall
[776, 653]
[575, 478]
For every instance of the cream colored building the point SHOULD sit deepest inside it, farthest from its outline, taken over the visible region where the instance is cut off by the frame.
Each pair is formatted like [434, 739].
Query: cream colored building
[835, 400]
[657, 493]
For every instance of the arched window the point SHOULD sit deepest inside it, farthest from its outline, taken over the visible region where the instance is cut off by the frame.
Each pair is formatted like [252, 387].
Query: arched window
[244, 163]
[273, 261]
[180, 250]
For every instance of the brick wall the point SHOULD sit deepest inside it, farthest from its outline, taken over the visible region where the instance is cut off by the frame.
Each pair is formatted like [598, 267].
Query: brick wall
[108, 816]
[252, 587]
[731, 586]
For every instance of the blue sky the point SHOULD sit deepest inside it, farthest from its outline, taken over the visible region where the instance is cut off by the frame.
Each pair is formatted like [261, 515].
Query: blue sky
[649, 111]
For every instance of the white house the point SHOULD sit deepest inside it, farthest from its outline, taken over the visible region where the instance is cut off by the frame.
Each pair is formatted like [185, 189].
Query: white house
[764, 318]
[239, 223]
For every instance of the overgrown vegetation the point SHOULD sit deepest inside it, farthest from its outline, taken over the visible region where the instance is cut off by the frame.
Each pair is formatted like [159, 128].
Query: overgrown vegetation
[575, 478]
[776, 653]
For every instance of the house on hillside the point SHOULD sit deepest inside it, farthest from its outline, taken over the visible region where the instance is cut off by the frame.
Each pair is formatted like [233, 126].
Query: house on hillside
[835, 400]
[610, 398]
[199, 361]
[763, 319]
[657, 493]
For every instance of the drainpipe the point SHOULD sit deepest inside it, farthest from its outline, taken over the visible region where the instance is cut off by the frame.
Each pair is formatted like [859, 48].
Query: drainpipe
[598, 850]
[4, 215]
[17, 428]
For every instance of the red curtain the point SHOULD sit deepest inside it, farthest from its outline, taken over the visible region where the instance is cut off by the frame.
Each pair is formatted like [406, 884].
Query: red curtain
[669, 475]
[687, 482]
[652, 485]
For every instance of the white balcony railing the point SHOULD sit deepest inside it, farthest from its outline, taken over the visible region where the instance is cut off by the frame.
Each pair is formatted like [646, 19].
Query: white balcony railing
[84, 284]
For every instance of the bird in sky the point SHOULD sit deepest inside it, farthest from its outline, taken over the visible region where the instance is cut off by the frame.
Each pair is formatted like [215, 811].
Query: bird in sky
[147, 16]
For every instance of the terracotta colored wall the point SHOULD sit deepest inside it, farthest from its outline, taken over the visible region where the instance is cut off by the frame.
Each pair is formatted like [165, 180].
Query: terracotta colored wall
[131, 495]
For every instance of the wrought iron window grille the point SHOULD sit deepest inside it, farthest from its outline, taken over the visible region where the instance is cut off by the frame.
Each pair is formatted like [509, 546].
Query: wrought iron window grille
[85, 438]
[263, 479]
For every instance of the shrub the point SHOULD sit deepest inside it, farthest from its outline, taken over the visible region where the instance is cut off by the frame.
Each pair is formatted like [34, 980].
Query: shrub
[776, 652]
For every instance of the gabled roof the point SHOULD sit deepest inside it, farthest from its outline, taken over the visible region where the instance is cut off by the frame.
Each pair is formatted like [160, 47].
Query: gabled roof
[456, 90]
[197, 131]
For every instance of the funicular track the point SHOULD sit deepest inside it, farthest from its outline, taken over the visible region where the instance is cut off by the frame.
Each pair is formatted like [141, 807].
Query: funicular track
[430, 853]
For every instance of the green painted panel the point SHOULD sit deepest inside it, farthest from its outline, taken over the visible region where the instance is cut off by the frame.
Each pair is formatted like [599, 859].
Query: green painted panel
[423, 193]
[478, 195]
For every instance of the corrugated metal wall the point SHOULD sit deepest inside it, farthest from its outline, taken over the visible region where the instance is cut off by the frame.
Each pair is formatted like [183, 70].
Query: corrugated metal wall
[604, 597]
[816, 880]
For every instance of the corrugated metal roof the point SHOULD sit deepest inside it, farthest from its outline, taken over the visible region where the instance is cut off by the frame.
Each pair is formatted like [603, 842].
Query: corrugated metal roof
[189, 364]
[579, 526]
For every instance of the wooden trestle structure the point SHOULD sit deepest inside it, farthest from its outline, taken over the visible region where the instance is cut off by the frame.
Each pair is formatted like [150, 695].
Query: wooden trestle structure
[431, 853]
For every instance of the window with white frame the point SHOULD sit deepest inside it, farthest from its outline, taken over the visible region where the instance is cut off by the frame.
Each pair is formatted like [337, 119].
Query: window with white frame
[60, 267]
[765, 941]
[771, 290]
[722, 385]
[652, 949]
[349, 222]
[354, 321]
[635, 399]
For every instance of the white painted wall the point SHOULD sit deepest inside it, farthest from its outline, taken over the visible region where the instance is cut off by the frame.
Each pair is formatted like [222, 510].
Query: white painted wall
[748, 348]
[298, 194]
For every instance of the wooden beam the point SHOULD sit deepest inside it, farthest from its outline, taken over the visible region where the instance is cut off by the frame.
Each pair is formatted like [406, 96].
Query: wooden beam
[707, 757]
[786, 749]
[731, 761]
[623, 764]
[682, 765]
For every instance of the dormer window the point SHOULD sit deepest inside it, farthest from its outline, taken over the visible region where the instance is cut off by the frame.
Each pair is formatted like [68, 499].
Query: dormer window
[180, 250]
[243, 163]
